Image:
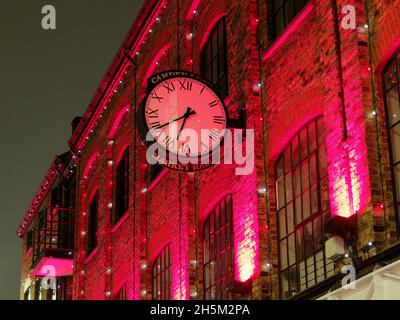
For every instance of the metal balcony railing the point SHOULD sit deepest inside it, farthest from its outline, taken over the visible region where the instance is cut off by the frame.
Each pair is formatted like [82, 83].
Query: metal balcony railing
[54, 234]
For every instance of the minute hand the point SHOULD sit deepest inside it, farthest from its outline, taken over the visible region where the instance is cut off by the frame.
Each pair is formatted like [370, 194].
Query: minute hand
[176, 119]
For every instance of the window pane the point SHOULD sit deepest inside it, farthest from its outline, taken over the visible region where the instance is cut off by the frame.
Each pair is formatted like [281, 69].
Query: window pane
[391, 75]
[214, 58]
[393, 102]
[308, 238]
[396, 171]
[318, 240]
[290, 217]
[300, 220]
[280, 187]
[282, 223]
[303, 144]
[218, 265]
[297, 182]
[300, 244]
[288, 187]
[292, 249]
[283, 254]
[279, 168]
[304, 176]
[306, 204]
[295, 151]
[312, 140]
[395, 134]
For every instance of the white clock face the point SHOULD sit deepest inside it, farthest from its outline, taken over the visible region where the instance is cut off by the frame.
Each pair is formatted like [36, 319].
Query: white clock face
[178, 104]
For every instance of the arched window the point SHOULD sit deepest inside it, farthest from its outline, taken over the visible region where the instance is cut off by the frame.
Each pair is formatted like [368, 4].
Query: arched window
[161, 275]
[302, 208]
[122, 187]
[283, 12]
[214, 64]
[92, 221]
[391, 78]
[218, 248]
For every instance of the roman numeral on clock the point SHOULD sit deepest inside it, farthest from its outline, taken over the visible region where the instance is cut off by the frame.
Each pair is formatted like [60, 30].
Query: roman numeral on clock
[218, 120]
[156, 96]
[169, 86]
[168, 141]
[213, 103]
[202, 89]
[152, 113]
[214, 135]
[155, 124]
[186, 85]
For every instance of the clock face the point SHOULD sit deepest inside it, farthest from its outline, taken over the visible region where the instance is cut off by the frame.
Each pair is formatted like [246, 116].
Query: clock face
[177, 104]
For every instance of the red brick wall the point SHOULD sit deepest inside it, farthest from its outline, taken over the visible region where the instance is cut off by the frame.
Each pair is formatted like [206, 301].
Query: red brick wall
[300, 77]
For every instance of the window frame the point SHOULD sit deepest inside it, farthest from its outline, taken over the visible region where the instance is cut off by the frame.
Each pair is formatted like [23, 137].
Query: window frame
[92, 224]
[317, 210]
[219, 287]
[395, 58]
[161, 275]
[220, 59]
[122, 293]
[286, 21]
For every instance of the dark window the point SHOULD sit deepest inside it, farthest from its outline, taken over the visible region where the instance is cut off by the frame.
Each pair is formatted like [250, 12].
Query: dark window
[92, 217]
[56, 194]
[391, 78]
[283, 12]
[122, 293]
[218, 247]
[154, 171]
[38, 289]
[214, 65]
[122, 187]
[29, 239]
[27, 294]
[161, 275]
[302, 208]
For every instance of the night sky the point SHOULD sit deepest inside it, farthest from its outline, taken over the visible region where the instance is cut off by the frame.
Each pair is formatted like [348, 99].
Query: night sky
[47, 77]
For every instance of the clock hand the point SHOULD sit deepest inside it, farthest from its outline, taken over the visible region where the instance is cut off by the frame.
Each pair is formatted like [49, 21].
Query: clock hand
[188, 113]
[176, 119]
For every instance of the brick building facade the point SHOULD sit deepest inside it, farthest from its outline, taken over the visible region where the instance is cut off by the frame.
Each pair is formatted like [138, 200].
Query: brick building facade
[322, 100]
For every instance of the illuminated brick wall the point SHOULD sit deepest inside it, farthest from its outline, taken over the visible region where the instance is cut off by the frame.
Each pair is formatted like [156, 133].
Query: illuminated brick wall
[283, 84]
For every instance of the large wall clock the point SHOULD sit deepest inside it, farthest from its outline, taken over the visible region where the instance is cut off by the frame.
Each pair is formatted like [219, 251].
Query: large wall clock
[179, 100]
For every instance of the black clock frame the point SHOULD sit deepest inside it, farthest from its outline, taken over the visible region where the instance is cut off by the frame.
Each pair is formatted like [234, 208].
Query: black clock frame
[143, 129]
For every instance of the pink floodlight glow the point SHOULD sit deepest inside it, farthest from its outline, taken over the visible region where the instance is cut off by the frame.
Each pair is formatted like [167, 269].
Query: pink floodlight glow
[117, 122]
[62, 267]
[246, 243]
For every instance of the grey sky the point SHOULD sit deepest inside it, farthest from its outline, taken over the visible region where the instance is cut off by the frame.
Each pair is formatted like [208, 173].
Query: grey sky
[46, 78]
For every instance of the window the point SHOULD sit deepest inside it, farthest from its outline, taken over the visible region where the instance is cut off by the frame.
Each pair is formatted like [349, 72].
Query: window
[27, 294]
[218, 247]
[302, 208]
[29, 239]
[154, 171]
[214, 64]
[122, 187]
[391, 78]
[283, 11]
[91, 233]
[161, 275]
[122, 293]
